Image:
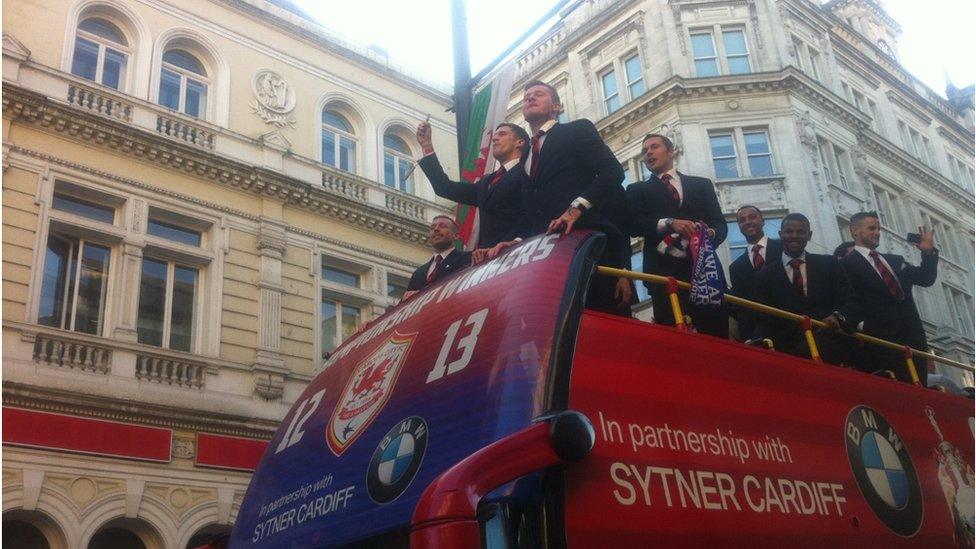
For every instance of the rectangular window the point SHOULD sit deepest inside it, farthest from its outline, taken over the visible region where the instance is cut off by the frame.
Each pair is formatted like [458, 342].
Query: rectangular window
[703, 49]
[884, 209]
[196, 97]
[338, 322]
[169, 89]
[840, 157]
[611, 96]
[635, 77]
[814, 63]
[637, 265]
[340, 276]
[757, 151]
[396, 286]
[822, 149]
[72, 290]
[628, 180]
[85, 60]
[723, 156]
[167, 294]
[113, 67]
[83, 208]
[736, 53]
[798, 53]
[916, 140]
[645, 172]
[173, 232]
[737, 241]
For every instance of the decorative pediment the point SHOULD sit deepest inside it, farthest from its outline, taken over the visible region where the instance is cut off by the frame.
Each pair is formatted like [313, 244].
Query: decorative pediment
[275, 140]
[15, 48]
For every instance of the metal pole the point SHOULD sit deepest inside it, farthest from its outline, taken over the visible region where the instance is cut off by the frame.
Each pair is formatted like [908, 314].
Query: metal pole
[462, 75]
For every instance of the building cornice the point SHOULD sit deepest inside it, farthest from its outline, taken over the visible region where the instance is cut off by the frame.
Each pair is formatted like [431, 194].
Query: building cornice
[788, 80]
[70, 402]
[123, 138]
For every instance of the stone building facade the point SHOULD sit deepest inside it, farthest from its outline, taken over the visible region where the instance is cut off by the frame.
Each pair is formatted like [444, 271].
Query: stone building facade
[199, 199]
[789, 105]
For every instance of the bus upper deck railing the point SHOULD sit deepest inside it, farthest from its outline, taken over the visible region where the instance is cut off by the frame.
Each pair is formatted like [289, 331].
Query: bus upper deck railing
[806, 323]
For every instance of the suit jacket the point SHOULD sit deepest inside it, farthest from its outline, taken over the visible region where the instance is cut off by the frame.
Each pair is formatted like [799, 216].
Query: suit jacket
[500, 204]
[742, 278]
[884, 316]
[454, 262]
[574, 162]
[828, 291]
[649, 202]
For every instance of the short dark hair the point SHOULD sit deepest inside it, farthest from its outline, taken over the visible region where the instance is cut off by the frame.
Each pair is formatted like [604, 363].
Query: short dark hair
[519, 131]
[667, 141]
[744, 206]
[553, 94]
[841, 251]
[795, 216]
[457, 228]
[859, 216]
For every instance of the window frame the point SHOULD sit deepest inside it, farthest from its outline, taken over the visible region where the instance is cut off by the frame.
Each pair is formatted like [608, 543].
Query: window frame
[103, 45]
[720, 54]
[618, 69]
[741, 162]
[340, 134]
[168, 297]
[399, 157]
[185, 75]
[361, 297]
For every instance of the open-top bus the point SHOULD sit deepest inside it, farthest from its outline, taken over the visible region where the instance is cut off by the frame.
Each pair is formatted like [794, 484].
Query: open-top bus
[492, 409]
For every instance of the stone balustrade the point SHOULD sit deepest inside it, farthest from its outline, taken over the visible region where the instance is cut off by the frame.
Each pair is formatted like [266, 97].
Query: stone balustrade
[99, 103]
[184, 131]
[170, 371]
[66, 352]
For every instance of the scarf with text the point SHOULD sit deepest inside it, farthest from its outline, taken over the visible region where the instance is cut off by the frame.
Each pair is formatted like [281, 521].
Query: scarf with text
[707, 278]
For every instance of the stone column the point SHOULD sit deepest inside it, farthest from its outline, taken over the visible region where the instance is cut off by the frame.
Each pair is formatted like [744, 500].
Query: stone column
[269, 366]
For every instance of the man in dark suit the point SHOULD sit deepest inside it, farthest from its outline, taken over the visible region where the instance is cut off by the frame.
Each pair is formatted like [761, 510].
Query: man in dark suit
[807, 284]
[497, 195]
[446, 260]
[573, 181]
[742, 271]
[668, 203]
[883, 285]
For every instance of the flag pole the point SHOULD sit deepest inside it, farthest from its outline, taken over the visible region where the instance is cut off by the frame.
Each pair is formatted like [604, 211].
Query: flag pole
[462, 74]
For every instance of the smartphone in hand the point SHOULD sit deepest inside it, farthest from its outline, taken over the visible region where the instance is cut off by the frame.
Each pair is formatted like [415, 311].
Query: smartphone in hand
[914, 238]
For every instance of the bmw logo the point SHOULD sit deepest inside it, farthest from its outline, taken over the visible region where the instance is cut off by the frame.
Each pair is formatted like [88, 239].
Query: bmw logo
[396, 460]
[884, 470]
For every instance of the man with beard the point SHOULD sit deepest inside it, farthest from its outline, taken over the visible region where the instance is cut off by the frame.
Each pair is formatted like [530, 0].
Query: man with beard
[883, 285]
[446, 260]
[742, 271]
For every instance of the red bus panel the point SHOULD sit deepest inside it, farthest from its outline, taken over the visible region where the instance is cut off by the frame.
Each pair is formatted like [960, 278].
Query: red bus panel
[702, 442]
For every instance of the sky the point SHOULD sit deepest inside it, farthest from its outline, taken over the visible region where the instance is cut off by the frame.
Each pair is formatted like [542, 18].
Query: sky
[938, 37]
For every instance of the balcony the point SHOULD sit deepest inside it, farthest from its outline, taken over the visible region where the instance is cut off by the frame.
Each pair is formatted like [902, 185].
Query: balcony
[766, 193]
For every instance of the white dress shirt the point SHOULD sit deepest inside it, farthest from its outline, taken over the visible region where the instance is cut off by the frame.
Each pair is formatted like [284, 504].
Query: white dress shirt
[866, 252]
[764, 245]
[803, 269]
[662, 227]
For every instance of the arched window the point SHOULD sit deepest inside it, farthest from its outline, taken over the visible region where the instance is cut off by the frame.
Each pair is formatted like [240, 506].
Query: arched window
[101, 52]
[338, 141]
[397, 163]
[183, 83]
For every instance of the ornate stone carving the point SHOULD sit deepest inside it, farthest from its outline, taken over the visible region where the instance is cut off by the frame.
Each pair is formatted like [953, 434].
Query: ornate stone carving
[183, 448]
[805, 130]
[269, 385]
[859, 158]
[274, 98]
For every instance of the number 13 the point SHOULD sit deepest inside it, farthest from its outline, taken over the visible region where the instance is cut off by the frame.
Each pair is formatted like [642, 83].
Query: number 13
[466, 345]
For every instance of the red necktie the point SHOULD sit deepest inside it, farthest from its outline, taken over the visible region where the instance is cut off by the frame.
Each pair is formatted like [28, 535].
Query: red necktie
[437, 267]
[499, 174]
[797, 276]
[666, 178]
[536, 146]
[757, 258]
[894, 288]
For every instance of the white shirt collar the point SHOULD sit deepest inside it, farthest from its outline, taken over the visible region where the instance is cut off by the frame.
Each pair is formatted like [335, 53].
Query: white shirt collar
[764, 242]
[865, 251]
[674, 175]
[511, 164]
[787, 258]
[548, 125]
[443, 254]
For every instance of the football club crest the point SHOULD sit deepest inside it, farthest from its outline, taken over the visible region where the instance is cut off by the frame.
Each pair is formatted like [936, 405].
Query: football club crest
[367, 391]
[396, 460]
[884, 470]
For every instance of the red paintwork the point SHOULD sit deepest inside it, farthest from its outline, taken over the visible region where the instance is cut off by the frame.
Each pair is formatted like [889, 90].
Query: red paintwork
[446, 515]
[85, 435]
[227, 452]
